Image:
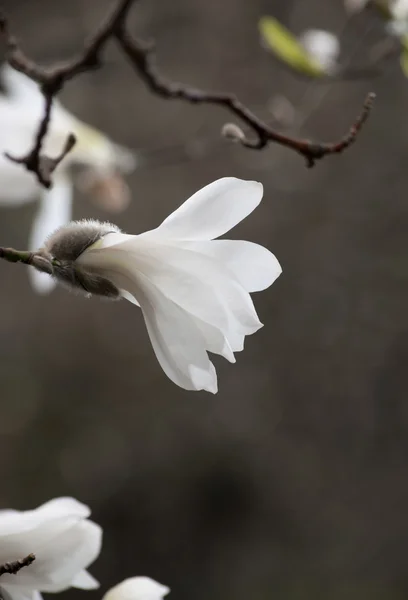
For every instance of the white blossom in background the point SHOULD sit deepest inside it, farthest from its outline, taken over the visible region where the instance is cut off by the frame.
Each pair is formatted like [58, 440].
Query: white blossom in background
[323, 47]
[21, 108]
[137, 588]
[398, 25]
[399, 10]
[193, 290]
[64, 541]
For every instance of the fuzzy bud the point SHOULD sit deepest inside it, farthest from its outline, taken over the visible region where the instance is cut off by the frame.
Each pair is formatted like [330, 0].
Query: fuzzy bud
[232, 132]
[64, 247]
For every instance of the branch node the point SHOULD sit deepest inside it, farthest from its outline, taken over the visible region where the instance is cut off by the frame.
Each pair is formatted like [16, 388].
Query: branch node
[12, 568]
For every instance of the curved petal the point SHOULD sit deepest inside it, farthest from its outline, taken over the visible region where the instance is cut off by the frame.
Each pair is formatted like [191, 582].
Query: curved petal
[84, 581]
[137, 588]
[212, 211]
[15, 521]
[16, 592]
[197, 283]
[54, 211]
[255, 267]
[215, 340]
[62, 555]
[177, 342]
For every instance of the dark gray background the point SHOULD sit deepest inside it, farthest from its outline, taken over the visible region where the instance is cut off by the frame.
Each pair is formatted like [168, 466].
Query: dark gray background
[292, 482]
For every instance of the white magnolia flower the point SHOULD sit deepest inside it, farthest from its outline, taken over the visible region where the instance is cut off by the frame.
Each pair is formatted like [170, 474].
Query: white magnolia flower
[399, 10]
[137, 588]
[194, 291]
[21, 109]
[63, 540]
[322, 46]
[398, 24]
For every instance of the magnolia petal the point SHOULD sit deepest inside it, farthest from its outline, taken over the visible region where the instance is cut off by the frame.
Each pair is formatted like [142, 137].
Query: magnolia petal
[63, 548]
[15, 521]
[215, 340]
[212, 211]
[137, 588]
[255, 267]
[54, 211]
[198, 284]
[15, 592]
[23, 543]
[63, 557]
[177, 342]
[85, 581]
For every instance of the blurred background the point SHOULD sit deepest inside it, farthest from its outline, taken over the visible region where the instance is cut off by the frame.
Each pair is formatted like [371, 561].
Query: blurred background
[292, 482]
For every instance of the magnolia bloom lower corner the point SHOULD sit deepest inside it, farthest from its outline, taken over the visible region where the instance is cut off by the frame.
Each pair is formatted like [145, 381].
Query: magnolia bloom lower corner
[64, 541]
[137, 588]
[193, 290]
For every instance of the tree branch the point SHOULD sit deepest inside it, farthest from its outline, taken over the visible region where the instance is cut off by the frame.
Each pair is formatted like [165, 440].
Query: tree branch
[14, 567]
[51, 81]
[140, 55]
[31, 259]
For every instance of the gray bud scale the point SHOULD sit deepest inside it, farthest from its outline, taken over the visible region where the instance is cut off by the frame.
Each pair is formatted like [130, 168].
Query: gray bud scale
[63, 248]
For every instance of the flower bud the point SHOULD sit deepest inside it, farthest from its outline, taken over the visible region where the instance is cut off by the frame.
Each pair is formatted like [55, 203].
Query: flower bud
[232, 132]
[64, 247]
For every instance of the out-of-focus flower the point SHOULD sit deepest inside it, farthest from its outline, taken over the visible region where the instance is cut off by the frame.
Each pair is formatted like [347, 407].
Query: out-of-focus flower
[313, 54]
[64, 541]
[399, 10]
[398, 23]
[137, 588]
[194, 291]
[21, 109]
[322, 46]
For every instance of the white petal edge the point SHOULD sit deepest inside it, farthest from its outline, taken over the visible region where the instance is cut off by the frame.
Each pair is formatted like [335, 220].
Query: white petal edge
[85, 581]
[15, 592]
[198, 284]
[177, 342]
[69, 553]
[254, 266]
[212, 211]
[14, 521]
[137, 588]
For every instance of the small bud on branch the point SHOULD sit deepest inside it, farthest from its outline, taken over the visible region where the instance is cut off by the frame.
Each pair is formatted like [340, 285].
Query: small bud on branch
[140, 54]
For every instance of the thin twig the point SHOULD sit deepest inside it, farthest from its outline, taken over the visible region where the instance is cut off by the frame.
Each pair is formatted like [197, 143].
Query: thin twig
[141, 57]
[51, 81]
[14, 567]
[25, 257]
